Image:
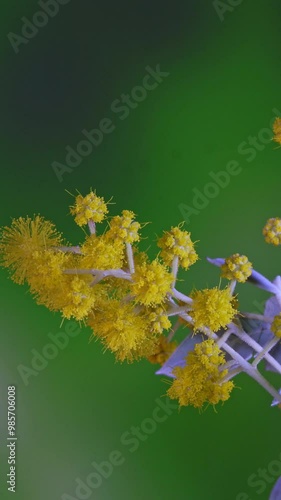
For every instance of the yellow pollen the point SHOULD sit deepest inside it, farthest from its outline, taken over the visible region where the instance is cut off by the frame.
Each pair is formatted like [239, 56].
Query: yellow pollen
[212, 308]
[237, 267]
[177, 243]
[272, 231]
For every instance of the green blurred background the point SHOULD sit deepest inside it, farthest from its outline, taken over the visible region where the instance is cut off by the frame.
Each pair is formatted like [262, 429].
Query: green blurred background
[224, 82]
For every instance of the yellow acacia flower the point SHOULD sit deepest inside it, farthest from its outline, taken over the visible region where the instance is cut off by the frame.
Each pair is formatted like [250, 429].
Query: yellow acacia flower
[78, 298]
[151, 283]
[212, 308]
[272, 231]
[140, 257]
[101, 252]
[237, 267]
[120, 329]
[277, 130]
[21, 240]
[163, 352]
[201, 380]
[177, 243]
[157, 319]
[47, 269]
[89, 208]
[276, 326]
[124, 228]
[71, 294]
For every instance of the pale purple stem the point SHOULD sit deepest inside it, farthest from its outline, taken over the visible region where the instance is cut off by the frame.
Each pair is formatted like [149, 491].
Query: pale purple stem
[256, 347]
[180, 296]
[115, 273]
[265, 350]
[175, 268]
[75, 249]
[260, 317]
[130, 258]
[232, 286]
[92, 227]
[174, 311]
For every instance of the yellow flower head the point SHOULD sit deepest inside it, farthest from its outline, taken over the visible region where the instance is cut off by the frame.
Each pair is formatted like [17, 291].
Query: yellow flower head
[163, 351]
[100, 252]
[272, 231]
[237, 267]
[124, 228]
[177, 243]
[212, 308]
[200, 381]
[157, 319]
[151, 283]
[76, 298]
[120, 329]
[21, 240]
[276, 326]
[277, 130]
[47, 270]
[88, 208]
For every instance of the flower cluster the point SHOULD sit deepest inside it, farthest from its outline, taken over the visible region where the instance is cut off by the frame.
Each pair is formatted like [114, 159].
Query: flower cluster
[202, 378]
[134, 307]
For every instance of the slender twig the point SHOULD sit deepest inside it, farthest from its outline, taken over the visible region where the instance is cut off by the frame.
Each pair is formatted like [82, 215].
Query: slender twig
[92, 227]
[75, 249]
[175, 268]
[180, 296]
[260, 317]
[130, 258]
[265, 350]
[177, 310]
[232, 286]
[256, 347]
[224, 338]
[114, 273]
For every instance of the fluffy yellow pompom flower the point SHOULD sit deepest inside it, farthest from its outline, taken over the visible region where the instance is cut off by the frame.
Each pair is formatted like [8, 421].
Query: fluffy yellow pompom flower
[177, 243]
[70, 294]
[151, 283]
[237, 267]
[200, 381]
[47, 270]
[78, 298]
[163, 351]
[88, 208]
[212, 308]
[100, 252]
[124, 228]
[157, 319]
[21, 240]
[120, 329]
[272, 231]
[276, 326]
[277, 130]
